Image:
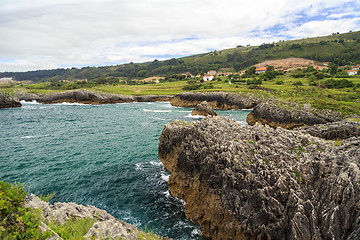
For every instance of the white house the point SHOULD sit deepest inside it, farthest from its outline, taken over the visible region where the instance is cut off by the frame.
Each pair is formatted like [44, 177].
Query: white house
[208, 77]
[351, 72]
[211, 72]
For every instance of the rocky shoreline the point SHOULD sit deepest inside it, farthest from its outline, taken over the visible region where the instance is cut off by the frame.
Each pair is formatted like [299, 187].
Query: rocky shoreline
[258, 182]
[105, 227]
[8, 101]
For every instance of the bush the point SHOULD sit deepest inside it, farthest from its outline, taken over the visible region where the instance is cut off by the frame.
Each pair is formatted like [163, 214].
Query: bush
[342, 83]
[254, 81]
[279, 82]
[298, 83]
[16, 221]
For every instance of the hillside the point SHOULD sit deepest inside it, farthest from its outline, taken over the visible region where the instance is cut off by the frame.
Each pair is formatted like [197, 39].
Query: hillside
[341, 49]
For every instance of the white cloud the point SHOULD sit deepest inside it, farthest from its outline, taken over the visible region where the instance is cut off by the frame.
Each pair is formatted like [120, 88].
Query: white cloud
[42, 34]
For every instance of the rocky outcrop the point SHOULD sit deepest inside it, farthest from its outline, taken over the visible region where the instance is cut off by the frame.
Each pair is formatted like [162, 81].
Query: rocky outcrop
[258, 182]
[89, 97]
[290, 115]
[154, 98]
[105, 227]
[333, 131]
[217, 100]
[85, 96]
[7, 100]
[203, 109]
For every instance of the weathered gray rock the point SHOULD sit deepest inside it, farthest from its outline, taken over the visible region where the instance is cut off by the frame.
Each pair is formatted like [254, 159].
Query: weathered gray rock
[203, 109]
[217, 100]
[7, 100]
[26, 96]
[335, 130]
[257, 182]
[85, 96]
[290, 115]
[106, 226]
[154, 98]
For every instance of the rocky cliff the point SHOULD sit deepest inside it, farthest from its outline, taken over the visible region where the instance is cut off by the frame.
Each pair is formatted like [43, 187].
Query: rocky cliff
[217, 100]
[8, 101]
[257, 182]
[290, 115]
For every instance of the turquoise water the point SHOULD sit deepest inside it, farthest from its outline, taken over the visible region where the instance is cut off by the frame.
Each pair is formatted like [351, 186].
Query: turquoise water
[102, 155]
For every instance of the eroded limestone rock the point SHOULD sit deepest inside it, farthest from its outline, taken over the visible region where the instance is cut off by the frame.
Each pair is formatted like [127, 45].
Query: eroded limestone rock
[290, 115]
[7, 100]
[217, 100]
[203, 109]
[257, 182]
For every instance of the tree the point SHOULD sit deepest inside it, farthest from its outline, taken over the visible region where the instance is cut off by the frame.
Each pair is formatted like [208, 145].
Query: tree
[333, 68]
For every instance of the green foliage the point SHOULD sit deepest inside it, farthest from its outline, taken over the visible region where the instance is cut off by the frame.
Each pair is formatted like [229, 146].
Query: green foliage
[47, 197]
[254, 81]
[298, 83]
[73, 229]
[342, 83]
[280, 82]
[16, 221]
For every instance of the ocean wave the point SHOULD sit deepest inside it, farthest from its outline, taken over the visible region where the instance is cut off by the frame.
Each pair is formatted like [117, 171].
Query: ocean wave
[29, 102]
[69, 104]
[31, 136]
[194, 116]
[157, 111]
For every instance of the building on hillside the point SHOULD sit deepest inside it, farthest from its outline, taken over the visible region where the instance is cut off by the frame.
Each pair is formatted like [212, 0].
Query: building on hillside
[227, 74]
[260, 70]
[211, 72]
[208, 77]
[320, 67]
[355, 68]
[352, 72]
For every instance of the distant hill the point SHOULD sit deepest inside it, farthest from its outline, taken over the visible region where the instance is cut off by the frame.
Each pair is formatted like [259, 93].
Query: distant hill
[342, 49]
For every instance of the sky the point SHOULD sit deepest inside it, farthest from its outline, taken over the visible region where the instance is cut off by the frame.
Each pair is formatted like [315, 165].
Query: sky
[48, 34]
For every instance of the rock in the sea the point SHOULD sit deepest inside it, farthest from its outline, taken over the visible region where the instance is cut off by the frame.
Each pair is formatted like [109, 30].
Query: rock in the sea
[203, 109]
[333, 131]
[258, 182]
[154, 98]
[85, 96]
[7, 100]
[217, 100]
[26, 96]
[105, 227]
[290, 115]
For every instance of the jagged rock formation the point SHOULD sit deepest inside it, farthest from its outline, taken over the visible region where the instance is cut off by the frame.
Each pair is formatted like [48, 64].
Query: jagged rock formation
[217, 100]
[8, 101]
[154, 98]
[106, 226]
[335, 130]
[85, 96]
[89, 97]
[203, 109]
[257, 182]
[290, 115]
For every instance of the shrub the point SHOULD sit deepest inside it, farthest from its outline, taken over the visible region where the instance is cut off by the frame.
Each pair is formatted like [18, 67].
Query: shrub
[342, 83]
[279, 82]
[254, 81]
[298, 83]
[16, 221]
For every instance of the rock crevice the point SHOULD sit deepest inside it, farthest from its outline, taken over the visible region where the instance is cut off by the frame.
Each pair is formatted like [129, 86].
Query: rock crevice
[257, 182]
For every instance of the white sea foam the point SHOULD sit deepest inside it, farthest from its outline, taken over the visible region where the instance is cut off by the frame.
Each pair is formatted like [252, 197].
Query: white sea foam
[31, 136]
[29, 102]
[69, 104]
[156, 111]
[155, 163]
[194, 116]
[165, 177]
[167, 193]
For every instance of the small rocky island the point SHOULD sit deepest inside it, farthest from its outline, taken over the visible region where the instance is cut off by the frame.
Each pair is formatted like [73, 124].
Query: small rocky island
[8, 101]
[259, 182]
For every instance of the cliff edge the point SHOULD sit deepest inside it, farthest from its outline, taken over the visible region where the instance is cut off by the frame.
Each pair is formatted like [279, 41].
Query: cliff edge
[257, 182]
[8, 101]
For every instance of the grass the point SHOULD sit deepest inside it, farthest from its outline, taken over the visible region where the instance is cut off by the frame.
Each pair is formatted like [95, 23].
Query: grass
[73, 229]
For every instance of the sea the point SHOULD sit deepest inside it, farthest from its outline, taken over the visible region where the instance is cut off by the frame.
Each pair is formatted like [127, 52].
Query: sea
[101, 155]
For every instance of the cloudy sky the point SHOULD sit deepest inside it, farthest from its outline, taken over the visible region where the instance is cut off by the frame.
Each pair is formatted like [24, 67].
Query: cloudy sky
[46, 34]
